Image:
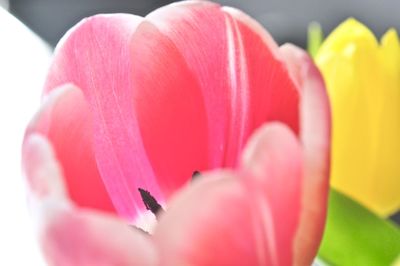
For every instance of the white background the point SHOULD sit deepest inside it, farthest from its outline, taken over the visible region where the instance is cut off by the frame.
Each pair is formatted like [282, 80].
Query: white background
[24, 59]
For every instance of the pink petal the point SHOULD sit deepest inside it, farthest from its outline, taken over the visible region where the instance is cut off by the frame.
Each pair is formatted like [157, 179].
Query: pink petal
[315, 136]
[226, 220]
[95, 55]
[65, 120]
[273, 94]
[169, 107]
[242, 82]
[71, 236]
[77, 237]
[42, 171]
[213, 222]
[198, 31]
[273, 166]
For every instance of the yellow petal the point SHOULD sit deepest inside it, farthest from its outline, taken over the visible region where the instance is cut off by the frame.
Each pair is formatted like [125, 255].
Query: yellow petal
[363, 81]
[350, 32]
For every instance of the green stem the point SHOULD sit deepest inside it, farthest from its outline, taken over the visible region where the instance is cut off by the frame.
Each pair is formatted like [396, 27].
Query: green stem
[355, 236]
[315, 38]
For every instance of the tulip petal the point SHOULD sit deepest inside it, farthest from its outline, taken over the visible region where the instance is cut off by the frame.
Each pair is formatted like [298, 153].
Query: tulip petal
[77, 237]
[95, 55]
[169, 108]
[188, 25]
[237, 69]
[272, 162]
[65, 120]
[315, 136]
[42, 170]
[213, 222]
[273, 94]
[71, 236]
[225, 219]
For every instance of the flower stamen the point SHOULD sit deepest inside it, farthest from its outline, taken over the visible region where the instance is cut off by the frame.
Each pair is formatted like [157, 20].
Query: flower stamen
[195, 175]
[150, 202]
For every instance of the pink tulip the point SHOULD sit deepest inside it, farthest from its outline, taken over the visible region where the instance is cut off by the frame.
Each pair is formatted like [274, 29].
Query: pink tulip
[155, 99]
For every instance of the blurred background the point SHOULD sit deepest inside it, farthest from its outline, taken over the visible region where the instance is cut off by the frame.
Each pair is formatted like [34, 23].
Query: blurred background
[286, 20]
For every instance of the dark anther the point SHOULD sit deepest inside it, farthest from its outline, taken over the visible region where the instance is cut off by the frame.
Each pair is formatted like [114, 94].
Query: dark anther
[150, 202]
[195, 175]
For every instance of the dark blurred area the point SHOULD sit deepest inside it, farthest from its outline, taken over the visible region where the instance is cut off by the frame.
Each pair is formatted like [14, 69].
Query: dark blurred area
[286, 20]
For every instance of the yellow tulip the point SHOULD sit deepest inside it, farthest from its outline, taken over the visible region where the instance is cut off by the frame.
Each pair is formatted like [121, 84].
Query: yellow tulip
[363, 81]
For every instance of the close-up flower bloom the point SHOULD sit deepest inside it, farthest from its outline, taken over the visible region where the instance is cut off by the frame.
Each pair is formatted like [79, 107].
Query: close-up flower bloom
[363, 80]
[133, 106]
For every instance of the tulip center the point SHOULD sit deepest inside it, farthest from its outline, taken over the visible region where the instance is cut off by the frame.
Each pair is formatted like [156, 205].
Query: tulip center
[151, 203]
[147, 221]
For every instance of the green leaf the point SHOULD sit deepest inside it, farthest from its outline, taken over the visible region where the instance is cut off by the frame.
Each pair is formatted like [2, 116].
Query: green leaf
[355, 236]
[315, 38]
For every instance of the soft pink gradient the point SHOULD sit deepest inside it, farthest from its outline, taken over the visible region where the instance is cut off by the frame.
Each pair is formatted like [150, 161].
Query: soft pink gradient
[315, 120]
[70, 235]
[65, 119]
[135, 102]
[223, 218]
[179, 90]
